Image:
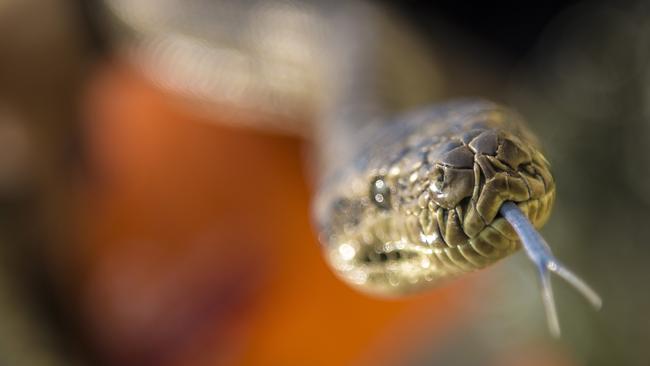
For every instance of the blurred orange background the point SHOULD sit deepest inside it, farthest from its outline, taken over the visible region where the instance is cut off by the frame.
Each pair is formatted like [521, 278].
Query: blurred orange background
[195, 246]
[139, 228]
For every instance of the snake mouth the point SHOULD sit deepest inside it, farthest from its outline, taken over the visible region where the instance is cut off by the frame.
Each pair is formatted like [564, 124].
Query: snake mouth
[385, 257]
[393, 269]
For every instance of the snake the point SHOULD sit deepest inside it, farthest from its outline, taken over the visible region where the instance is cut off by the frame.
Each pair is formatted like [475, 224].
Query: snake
[407, 198]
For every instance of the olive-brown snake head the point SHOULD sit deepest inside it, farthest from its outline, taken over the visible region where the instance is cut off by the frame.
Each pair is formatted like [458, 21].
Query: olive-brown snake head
[425, 207]
[422, 201]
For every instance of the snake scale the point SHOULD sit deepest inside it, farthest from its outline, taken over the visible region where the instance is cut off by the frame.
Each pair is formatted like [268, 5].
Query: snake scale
[403, 203]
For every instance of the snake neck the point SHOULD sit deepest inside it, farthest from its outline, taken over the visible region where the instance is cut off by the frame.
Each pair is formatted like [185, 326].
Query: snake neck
[375, 68]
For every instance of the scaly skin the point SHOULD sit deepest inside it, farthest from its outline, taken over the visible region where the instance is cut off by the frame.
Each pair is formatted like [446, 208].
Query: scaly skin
[421, 202]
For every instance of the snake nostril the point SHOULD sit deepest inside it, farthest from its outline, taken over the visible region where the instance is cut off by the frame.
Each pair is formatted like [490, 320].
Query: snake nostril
[450, 185]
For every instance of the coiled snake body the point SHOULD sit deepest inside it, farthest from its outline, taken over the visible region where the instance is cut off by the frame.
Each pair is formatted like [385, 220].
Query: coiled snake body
[403, 203]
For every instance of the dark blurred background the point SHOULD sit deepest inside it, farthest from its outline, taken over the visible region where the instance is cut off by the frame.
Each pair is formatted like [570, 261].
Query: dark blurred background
[138, 229]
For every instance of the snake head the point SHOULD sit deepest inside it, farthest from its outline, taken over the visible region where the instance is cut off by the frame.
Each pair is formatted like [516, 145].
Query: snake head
[476, 172]
[426, 205]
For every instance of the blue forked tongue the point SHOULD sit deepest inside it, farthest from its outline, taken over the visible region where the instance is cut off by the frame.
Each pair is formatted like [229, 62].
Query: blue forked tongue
[539, 252]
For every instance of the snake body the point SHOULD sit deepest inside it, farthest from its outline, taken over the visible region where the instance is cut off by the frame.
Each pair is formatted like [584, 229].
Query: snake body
[404, 202]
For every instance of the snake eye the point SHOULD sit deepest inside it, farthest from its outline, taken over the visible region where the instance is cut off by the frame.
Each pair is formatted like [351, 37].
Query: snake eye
[380, 193]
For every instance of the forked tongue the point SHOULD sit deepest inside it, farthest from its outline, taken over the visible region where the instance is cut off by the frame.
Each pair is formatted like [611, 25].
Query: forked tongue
[540, 253]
